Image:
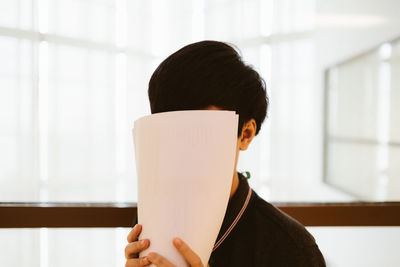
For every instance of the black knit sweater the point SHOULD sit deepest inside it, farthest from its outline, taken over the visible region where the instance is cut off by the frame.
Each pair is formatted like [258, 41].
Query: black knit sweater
[255, 233]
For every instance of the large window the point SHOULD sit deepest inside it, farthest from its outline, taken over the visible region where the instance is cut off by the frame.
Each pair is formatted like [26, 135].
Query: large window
[362, 131]
[74, 77]
[66, 109]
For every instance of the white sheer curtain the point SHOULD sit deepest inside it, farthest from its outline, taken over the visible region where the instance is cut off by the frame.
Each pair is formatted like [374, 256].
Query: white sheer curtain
[74, 77]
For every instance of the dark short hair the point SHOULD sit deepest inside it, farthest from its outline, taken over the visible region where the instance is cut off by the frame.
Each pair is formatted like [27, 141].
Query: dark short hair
[209, 73]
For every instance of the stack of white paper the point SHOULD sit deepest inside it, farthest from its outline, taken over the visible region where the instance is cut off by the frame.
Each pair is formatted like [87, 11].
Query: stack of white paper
[185, 165]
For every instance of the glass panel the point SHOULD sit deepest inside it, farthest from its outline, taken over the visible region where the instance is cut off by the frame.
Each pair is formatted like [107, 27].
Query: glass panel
[63, 247]
[20, 247]
[16, 14]
[219, 20]
[363, 134]
[81, 135]
[356, 80]
[93, 20]
[395, 94]
[9, 10]
[17, 135]
[139, 33]
[354, 168]
[165, 21]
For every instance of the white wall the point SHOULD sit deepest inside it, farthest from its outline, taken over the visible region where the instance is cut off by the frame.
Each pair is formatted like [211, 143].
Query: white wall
[347, 28]
[358, 246]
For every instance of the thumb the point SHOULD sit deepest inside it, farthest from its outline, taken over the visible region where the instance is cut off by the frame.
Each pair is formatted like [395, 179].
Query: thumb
[190, 256]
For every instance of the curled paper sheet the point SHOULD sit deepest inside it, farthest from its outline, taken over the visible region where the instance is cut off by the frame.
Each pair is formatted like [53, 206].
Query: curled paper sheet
[185, 165]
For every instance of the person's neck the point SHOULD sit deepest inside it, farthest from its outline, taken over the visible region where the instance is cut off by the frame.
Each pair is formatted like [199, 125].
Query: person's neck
[235, 184]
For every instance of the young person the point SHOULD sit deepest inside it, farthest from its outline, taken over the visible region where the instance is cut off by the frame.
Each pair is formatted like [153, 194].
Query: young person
[212, 75]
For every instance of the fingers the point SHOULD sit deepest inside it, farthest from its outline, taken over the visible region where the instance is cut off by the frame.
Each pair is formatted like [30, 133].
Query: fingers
[133, 248]
[137, 262]
[159, 260]
[134, 233]
[187, 253]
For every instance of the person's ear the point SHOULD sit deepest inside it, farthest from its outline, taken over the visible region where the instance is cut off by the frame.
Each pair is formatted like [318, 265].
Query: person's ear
[248, 133]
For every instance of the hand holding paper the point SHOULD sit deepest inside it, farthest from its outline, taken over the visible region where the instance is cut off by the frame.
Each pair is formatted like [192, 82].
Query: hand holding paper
[135, 246]
[185, 165]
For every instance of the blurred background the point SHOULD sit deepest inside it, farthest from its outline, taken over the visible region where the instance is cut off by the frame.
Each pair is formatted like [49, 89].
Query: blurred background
[74, 75]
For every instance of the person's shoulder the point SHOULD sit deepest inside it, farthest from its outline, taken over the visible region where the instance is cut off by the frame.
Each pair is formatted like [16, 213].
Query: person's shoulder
[291, 243]
[281, 224]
